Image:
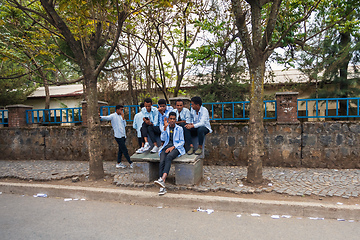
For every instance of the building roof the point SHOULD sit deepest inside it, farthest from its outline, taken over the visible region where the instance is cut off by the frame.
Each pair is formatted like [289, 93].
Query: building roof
[59, 91]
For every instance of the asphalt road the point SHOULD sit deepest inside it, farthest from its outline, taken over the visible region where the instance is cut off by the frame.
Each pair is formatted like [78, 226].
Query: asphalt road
[26, 217]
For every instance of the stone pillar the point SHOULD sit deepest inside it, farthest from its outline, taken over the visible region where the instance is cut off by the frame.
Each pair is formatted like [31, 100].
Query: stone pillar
[185, 99]
[286, 104]
[84, 110]
[17, 115]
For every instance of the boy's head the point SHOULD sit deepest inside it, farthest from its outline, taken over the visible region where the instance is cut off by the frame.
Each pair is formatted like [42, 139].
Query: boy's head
[179, 104]
[162, 105]
[148, 104]
[119, 108]
[172, 119]
[196, 103]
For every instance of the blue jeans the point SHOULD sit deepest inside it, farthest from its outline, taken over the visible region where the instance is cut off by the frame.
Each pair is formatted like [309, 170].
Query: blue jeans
[122, 149]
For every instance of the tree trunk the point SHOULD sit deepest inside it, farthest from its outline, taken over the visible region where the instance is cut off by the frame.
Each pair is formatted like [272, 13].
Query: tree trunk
[96, 169]
[256, 124]
[345, 40]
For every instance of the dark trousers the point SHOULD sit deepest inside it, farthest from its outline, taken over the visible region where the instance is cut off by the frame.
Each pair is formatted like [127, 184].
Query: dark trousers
[165, 161]
[140, 141]
[122, 150]
[152, 130]
[200, 132]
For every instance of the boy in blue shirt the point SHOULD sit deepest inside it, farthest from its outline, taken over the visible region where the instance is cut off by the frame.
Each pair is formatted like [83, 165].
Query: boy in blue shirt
[173, 137]
[138, 121]
[118, 124]
[199, 126]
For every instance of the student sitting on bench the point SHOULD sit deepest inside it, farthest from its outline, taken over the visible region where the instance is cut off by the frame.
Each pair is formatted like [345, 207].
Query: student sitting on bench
[173, 136]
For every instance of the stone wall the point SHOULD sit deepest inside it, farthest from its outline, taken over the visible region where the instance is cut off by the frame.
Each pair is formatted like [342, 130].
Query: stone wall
[311, 144]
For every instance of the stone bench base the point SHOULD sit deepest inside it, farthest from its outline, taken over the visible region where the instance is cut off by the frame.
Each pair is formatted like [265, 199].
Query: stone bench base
[188, 168]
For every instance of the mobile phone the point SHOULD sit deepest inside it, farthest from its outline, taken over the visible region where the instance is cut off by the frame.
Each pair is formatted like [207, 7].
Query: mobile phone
[146, 118]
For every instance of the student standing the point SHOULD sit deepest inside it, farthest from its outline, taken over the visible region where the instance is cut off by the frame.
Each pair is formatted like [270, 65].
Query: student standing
[138, 121]
[173, 138]
[199, 126]
[118, 124]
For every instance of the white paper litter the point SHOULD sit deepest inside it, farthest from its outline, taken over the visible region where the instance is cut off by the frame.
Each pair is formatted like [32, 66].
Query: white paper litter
[159, 207]
[316, 218]
[275, 217]
[241, 185]
[255, 215]
[208, 211]
[83, 199]
[208, 178]
[40, 195]
[67, 199]
[239, 215]
[0, 193]
[76, 199]
[282, 173]
[340, 219]
[270, 184]
[351, 220]
[339, 203]
[286, 216]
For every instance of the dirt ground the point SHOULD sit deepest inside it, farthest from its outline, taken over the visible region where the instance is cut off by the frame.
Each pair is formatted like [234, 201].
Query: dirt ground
[107, 182]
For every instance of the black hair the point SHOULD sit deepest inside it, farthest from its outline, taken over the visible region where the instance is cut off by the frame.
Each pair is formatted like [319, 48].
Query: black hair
[148, 100]
[162, 101]
[172, 114]
[196, 100]
[179, 100]
[118, 107]
[141, 105]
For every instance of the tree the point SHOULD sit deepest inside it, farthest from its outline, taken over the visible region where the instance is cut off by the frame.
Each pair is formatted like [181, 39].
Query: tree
[219, 61]
[86, 28]
[263, 26]
[328, 57]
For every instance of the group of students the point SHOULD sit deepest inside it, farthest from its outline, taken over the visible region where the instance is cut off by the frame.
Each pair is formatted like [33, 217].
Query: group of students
[176, 127]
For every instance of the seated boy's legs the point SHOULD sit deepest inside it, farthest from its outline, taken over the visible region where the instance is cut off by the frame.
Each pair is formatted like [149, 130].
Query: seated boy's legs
[165, 162]
[154, 131]
[200, 132]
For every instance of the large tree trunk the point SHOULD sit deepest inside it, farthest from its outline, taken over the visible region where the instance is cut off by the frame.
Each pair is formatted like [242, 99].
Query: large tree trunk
[96, 169]
[345, 41]
[256, 125]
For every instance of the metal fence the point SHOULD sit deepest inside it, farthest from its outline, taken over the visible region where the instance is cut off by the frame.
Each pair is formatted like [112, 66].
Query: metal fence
[53, 116]
[334, 108]
[219, 111]
[129, 111]
[4, 116]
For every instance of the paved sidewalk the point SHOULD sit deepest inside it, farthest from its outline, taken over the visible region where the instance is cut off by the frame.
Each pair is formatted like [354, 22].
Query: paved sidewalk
[292, 181]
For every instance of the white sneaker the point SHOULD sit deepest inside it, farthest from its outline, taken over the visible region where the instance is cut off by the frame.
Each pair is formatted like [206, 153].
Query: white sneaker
[120, 165]
[162, 191]
[146, 146]
[160, 183]
[155, 149]
[140, 150]
[131, 165]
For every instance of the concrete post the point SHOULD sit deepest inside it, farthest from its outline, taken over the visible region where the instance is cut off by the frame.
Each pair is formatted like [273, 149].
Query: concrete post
[286, 104]
[17, 115]
[84, 110]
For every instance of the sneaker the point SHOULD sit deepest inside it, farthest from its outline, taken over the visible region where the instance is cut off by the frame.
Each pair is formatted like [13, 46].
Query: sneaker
[160, 183]
[146, 146]
[131, 165]
[155, 149]
[191, 151]
[140, 150]
[120, 165]
[162, 191]
[198, 151]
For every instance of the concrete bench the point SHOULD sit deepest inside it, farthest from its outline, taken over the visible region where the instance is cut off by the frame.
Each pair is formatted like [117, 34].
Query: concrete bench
[188, 168]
